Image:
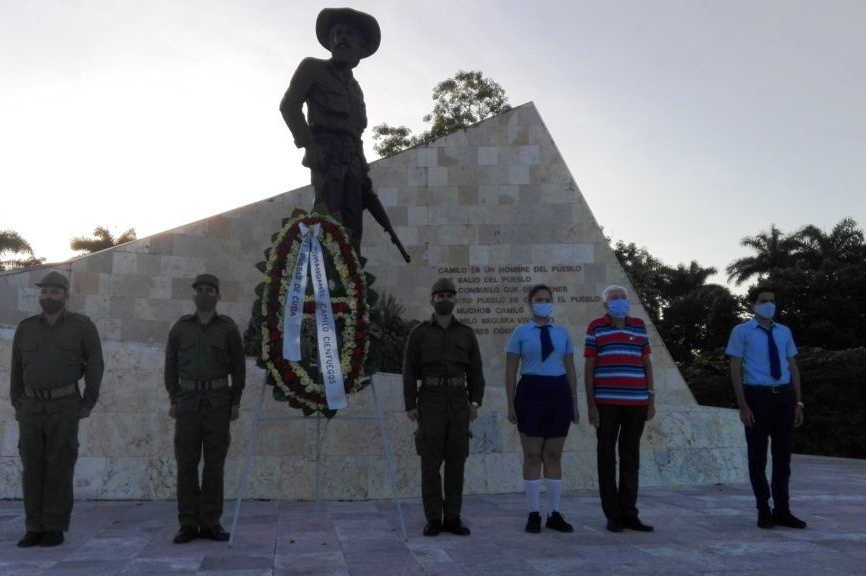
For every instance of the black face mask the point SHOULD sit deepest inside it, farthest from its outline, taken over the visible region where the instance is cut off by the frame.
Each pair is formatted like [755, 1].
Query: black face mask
[205, 302]
[51, 306]
[443, 307]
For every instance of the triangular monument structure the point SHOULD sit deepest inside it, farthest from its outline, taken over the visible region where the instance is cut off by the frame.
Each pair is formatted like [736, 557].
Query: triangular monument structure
[493, 206]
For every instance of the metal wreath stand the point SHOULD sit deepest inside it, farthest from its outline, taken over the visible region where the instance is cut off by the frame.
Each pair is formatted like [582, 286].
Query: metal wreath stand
[252, 442]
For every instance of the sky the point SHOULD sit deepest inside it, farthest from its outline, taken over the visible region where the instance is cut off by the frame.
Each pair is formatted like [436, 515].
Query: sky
[686, 124]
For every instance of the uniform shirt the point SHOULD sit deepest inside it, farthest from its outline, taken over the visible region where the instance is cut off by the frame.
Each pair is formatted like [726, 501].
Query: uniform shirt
[436, 351]
[197, 351]
[749, 342]
[48, 356]
[620, 375]
[334, 101]
[525, 342]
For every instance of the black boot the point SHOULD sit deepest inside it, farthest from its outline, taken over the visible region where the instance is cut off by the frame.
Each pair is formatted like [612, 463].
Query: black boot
[30, 539]
[456, 526]
[637, 525]
[765, 519]
[186, 534]
[215, 532]
[433, 528]
[51, 538]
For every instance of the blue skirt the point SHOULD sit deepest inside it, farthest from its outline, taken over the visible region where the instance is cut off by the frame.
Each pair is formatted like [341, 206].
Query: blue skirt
[544, 406]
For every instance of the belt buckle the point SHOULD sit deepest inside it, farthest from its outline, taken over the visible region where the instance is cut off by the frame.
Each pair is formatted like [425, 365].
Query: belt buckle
[776, 389]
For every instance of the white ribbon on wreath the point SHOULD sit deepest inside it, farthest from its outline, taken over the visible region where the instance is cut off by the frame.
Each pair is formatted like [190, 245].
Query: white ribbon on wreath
[311, 257]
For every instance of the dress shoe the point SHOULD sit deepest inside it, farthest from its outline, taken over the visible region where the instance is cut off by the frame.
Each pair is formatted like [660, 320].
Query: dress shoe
[765, 519]
[456, 526]
[787, 520]
[433, 528]
[614, 525]
[186, 534]
[51, 538]
[215, 532]
[30, 539]
[556, 522]
[533, 523]
[636, 525]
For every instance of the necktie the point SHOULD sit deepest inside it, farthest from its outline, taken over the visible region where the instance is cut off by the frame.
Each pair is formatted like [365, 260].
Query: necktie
[775, 364]
[546, 342]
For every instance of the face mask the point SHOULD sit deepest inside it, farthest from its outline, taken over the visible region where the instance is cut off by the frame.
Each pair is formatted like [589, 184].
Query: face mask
[51, 306]
[443, 307]
[766, 310]
[618, 308]
[542, 309]
[205, 302]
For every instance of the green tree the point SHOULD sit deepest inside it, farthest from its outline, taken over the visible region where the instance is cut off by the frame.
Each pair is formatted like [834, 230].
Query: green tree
[773, 251]
[12, 244]
[100, 240]
[458, 102]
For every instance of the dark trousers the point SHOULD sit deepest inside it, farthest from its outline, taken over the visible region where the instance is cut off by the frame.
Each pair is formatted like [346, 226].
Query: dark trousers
[48, 445]
[342, 183]
[442, 437]
[619, 429]
[203, 431]
[774, 421]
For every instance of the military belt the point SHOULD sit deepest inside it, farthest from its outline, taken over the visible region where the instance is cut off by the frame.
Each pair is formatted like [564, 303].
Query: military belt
[51, 393]
[199, 385]
[455, 381]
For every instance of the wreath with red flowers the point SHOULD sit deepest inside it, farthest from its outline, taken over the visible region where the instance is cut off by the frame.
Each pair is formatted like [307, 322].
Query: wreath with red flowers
[300, 383]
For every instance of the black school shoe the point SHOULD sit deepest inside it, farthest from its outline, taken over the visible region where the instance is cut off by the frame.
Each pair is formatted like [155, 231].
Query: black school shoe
[614, 525]
[51, 538]
[556, 522]
[186, 534]
[456, 526]
[216, 533]
[765, 519]
[533, 523]
[787, 520]
[30, 539]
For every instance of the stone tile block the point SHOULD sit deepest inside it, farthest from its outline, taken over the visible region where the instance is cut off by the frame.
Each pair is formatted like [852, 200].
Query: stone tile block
[488, 155]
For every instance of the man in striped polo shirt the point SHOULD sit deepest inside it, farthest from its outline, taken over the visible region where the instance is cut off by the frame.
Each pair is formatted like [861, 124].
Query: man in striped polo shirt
[620, 399]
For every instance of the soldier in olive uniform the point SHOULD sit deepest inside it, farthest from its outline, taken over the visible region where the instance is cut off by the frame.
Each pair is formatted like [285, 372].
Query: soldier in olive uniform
[337, 116]
[443, 354]
[203, 350]
[50, 354]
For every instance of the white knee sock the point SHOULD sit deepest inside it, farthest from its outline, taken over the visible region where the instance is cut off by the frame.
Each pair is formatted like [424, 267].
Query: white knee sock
[554, 490]
[533, 494]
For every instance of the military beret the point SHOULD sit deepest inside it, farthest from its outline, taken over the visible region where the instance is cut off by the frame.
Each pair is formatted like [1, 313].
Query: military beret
[208, 279]
[54, 278]
[444, 285]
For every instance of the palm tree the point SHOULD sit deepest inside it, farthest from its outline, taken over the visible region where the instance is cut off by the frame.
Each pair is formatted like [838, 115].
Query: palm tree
[774, 251]
[817, 249]
[100, 240]
[12, 243]
[683, 280]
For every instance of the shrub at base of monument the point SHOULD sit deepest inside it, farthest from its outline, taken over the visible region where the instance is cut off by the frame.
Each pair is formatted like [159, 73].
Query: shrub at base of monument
[337, 297]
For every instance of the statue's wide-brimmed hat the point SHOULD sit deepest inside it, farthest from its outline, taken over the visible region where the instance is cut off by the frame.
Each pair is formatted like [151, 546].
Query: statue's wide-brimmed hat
[365, 23]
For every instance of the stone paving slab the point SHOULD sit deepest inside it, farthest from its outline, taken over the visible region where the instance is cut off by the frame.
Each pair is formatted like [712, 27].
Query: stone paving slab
[708, 531]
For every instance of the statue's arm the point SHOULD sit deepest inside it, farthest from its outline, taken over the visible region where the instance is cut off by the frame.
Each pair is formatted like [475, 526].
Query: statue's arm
[291, 106]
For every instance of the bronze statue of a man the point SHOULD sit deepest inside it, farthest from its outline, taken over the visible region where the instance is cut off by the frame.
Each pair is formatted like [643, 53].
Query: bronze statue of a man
[336, 118]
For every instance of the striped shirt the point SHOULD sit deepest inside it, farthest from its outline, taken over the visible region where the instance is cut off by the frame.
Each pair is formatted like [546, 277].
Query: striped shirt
[620, 376]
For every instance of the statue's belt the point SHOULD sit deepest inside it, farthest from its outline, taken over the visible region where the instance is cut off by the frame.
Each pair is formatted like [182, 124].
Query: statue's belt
[198, 385]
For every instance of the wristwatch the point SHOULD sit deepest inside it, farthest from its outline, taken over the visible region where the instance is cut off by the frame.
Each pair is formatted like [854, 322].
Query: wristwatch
[474, 404]
[801, 405]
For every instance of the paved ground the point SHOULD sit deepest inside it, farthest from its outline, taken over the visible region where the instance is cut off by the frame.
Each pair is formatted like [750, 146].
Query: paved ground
[707, 530]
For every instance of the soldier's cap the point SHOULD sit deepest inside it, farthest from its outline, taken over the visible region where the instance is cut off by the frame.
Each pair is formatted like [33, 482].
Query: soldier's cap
[443, 285]
[366, 25]
[54, 278]
[208, 279]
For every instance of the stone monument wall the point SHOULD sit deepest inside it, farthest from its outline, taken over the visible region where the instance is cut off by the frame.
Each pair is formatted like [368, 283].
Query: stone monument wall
[494, 207]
